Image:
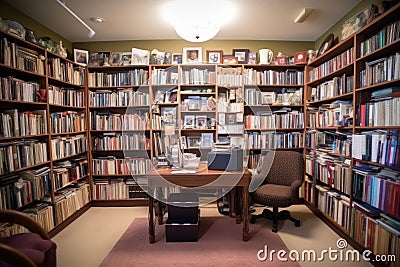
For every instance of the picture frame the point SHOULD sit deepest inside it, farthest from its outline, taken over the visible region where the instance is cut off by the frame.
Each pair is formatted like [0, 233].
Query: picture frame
[252, 58]
[326, 44]
[229, 60]
[193, 141]
[192, 55]
[140, 57]
[176, 58]
[207, 140]
[268, 98]
[354, 23]
[126, 59]
[201, 121]
[168, 58]
[214, 56]
[115, 58]
[242, 55]
[189, 121]
[81, 56]
[93, 59]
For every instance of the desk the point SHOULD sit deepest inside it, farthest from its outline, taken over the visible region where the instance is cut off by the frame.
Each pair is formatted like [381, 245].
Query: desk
[164, 178]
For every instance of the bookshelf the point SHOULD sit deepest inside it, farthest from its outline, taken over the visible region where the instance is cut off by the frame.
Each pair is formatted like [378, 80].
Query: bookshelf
[351, 151]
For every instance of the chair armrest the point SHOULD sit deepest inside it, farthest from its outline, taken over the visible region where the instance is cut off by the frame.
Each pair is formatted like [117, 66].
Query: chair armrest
[12, 216]
[295, 185]
[14, 257]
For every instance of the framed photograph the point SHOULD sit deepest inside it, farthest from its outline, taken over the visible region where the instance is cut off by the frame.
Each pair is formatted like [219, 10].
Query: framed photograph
[252, 58]
[193, 141]
[207, 140]
[326, 44]
[188, 121]
[354, 23]
[81, 56]
[140, 56]
[168, 58]
[115, 58]
[93, 59]
[268, 98]
[229, 59]
[201, 121]
[104, 58]
[192, 55]
[126, 58]
[214, 56]
[176, 58]
[242, 55]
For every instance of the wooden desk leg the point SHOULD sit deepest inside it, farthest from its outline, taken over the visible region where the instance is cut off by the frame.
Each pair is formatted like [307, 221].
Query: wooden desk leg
[238, 205]
[152, 235]
[245, 213]
[160, 215]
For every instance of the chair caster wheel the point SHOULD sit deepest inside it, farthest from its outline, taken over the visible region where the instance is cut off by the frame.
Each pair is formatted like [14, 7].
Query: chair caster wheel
[297, 224]
[252, 220]
[274, 230]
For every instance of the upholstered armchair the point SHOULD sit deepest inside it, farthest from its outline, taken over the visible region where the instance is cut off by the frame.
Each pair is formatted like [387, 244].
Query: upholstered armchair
[283, 175]
[26, 249]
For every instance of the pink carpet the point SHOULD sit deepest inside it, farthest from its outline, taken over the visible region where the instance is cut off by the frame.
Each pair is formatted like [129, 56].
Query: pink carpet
[219, 244]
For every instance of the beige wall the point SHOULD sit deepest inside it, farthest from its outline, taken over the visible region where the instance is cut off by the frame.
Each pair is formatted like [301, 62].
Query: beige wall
[176, 46]
[337, 28]
[9, 12]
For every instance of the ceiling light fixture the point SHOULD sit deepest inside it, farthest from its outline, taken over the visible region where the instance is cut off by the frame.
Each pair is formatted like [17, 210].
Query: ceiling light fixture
[194, 21]
[97, 19]
[304, 14]
[91, 31]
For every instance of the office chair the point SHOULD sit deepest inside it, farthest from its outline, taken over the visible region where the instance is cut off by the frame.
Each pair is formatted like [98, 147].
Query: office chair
[280, 187]
[26, 249]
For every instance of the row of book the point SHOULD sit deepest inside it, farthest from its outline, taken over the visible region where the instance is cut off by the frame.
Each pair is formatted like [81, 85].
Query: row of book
[197, 76]
[197, 103]
[107, 121]
[229, 76]
[134, 77]
[377, 146]
[273, 77]
[66, 96]
[162, 143]
[273, 140]
[20, 57]
[20, 189]
[66, 71]
[69, 171]
[380, 70]
[375, 231]
[70, 199]
[15, 89]
[41, 212]
[230, 128]
[339, 143]
[117, 141]
[288, 96]
[273, 120]
[22, 153]
[164, 76]
[332, 171]
[110, 189]
[342, 60]
[385, 36]
[66, 146]
[121, 97]
[337, 86]
[335, 205]
[136, 191]
[127, 166]
[379, 189]
[67, 122]
[308, 191]
[337, 113]
[379, 111]
[22, 123]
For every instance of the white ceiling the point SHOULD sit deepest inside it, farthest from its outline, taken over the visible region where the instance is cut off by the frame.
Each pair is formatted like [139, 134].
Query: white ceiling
[142, 19]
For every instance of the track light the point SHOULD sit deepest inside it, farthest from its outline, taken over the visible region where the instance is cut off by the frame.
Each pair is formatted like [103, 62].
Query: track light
[91, 31]
[303, 15]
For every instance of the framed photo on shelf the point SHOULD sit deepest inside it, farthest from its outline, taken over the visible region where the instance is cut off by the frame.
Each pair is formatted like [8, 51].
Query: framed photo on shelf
[201, 121]
[81, 56]
[193, 141]
[126, 59]
[188, 121]
[176, 58]
[115, 58]
[207, 140]
[214, 56]
[268, 98]
[229, 60]
[192, 55]
[242, 55]
[140, 56]
[252, 58]
[354, 23]
[93, 59]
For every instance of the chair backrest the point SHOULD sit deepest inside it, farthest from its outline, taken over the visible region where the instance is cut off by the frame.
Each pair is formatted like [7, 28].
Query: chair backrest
[286, 167]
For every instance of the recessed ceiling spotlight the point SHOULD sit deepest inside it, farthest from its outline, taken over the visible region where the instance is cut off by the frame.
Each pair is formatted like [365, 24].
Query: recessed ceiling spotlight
[97, 19]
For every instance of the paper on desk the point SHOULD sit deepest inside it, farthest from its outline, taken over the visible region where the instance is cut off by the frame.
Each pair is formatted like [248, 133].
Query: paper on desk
[183, 171]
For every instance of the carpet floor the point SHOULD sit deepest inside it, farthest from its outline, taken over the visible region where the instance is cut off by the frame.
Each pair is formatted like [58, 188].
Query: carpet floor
[219, 244]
